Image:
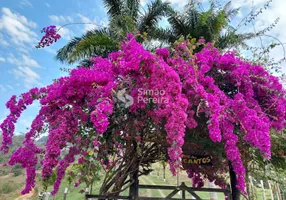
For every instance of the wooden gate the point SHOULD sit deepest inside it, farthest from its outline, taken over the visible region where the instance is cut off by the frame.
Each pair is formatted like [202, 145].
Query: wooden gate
[183, 188]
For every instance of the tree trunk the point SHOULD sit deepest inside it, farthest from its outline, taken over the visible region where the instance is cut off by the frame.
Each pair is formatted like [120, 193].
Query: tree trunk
[133, 191]
[134, 187]
[126, 172]
[235, 193]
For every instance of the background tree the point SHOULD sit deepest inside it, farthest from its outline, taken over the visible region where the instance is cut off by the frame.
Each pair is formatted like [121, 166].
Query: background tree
[125, 17]
[214, 25]
[194, 21]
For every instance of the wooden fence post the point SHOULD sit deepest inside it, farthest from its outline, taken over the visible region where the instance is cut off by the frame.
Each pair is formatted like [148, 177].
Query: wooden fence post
[277, 189]
[252, 187]
[262, 186]
[133, 190]
[44, 195]
[86, 192]
[183, 194]
[178, 180]
[213, 195]
[229, 196]
[271, 193]
[65, 193]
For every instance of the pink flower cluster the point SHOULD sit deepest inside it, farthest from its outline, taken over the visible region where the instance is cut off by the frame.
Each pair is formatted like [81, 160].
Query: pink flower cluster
[63, 165]
[235, 100]
[50, 36]
[99, 116]
[27, 157]
[231, 92]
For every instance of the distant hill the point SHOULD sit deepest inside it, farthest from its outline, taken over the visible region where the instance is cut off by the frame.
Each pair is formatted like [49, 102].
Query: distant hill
[42, 141]
[17, 142]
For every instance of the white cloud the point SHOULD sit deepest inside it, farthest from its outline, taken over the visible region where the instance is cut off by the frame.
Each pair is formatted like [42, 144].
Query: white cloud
[5, 88]
[24, 60]
[48, 5]
[10, 87]
[3, 41]
[179, 3]
[65, 33]
[23, 50]
[17, 27]
[29, 61]
[49, 49]
[26, 3]
[2, 89]
[266, 18]
[91, 24]
[23, 71]
[143, 2]
[60, 19]
[2, 59]
[11, 59]
[247, 3]
[30, 77]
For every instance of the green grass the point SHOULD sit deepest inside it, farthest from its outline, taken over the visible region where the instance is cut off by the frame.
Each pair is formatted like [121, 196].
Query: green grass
[11, 186]
[170, 180]
[17, 184]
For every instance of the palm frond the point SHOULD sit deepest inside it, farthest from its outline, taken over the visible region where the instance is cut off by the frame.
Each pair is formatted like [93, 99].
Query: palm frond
[86, 63]
[114, 7]
[164, 35]
[232, 39]
[229, 12]
[122, 25]
[179, 25]
[93, 43]
[64, 52]
[155, 11]
[133, 8]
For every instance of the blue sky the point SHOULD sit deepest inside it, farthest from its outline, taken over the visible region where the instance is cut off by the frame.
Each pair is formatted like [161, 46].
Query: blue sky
[23, 66]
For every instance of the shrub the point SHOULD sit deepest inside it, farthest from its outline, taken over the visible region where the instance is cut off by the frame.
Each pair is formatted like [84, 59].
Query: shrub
[6, 188]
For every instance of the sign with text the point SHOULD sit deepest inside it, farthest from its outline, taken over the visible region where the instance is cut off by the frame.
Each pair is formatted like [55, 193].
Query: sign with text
[189, 160]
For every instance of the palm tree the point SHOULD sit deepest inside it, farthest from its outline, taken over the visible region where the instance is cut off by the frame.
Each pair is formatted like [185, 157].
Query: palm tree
[124, 17]
[213, 25]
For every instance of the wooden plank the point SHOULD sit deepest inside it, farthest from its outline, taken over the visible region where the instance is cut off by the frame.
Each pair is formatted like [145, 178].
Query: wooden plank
[92, 196]
[184, 194]
[163, 187]
[160, 198]
[175, 189]
[172, 193]
[205, 190]
[159, 187]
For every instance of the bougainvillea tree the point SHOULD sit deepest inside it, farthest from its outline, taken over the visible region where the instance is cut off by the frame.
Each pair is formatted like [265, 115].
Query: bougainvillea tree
[126, 109]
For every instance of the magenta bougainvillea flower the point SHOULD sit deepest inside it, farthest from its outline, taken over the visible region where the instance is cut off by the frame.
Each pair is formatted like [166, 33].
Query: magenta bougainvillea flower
[51, 36]
[237, 99]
